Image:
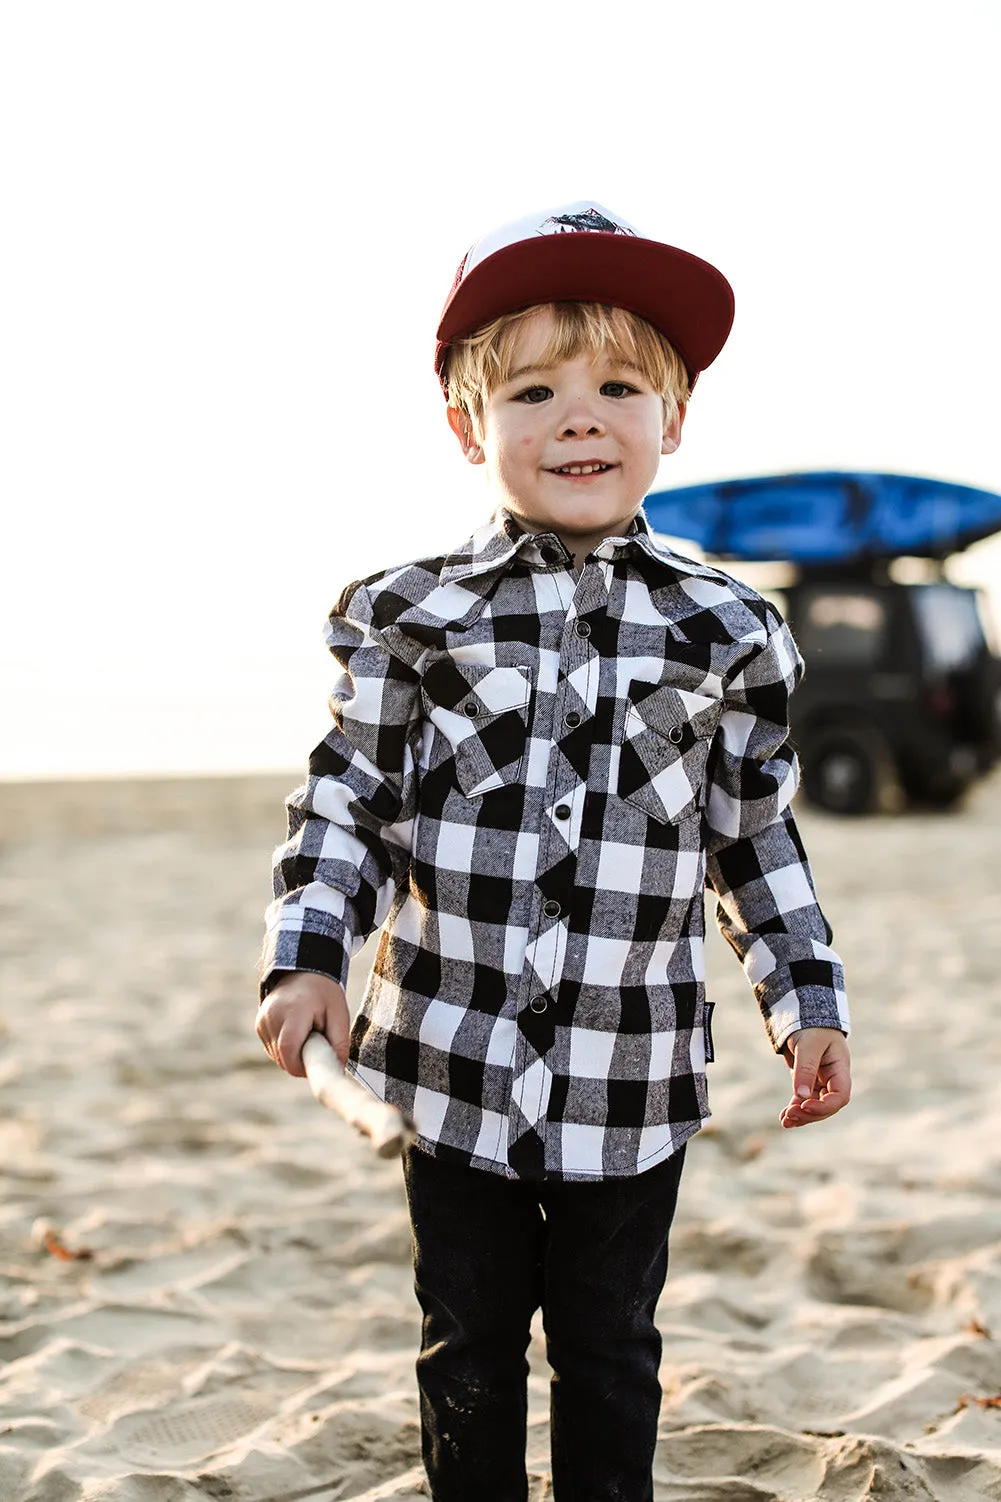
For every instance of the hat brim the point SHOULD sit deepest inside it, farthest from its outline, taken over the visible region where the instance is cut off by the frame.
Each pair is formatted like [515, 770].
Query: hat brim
[689, 301]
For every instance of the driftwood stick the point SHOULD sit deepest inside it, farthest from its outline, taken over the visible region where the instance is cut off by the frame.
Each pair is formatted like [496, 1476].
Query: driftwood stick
[389, 1130]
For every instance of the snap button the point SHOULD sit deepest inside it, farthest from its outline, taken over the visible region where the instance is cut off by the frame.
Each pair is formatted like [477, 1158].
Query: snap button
[552, 909]
[571, 720]
[471, 708]
[676, 735]
[538, 1003]
[562, 811]
[583, 629]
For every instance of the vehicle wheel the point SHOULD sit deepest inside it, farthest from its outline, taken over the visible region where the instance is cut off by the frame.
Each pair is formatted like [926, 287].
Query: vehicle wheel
[943, 785]
[943, 796]
[850, 770]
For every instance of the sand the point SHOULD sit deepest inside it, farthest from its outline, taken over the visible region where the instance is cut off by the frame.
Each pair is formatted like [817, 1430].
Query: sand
[205, 1288]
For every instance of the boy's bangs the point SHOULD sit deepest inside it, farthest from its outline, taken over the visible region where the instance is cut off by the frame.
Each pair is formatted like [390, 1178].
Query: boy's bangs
[593, 330]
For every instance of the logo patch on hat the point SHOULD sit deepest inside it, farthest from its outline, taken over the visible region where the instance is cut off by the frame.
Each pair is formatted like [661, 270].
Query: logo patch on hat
[590, 219]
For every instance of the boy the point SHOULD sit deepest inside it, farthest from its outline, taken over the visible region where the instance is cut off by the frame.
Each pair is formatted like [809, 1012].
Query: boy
[544, 746]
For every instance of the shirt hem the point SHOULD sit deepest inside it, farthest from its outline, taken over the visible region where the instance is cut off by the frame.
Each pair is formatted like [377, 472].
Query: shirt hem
[435, 1149]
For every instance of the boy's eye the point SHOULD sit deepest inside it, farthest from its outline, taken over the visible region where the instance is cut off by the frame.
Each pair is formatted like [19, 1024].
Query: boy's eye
[617, 388]
[534, 394]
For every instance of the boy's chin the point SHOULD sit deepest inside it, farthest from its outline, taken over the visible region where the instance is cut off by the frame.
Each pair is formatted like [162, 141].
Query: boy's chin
[576, 518]
[583, 524]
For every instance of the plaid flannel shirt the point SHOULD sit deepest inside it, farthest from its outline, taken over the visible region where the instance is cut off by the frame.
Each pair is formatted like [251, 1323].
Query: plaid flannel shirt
[530, 778]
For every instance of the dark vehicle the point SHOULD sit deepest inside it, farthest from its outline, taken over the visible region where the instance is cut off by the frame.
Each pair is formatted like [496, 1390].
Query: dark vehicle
[901, 701]
[902, 695]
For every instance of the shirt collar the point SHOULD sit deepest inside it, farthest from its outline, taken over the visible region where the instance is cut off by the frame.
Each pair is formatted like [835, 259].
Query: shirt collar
[496, 544]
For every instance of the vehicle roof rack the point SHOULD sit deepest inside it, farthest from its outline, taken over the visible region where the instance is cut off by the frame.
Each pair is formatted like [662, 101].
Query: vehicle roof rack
[823, 518]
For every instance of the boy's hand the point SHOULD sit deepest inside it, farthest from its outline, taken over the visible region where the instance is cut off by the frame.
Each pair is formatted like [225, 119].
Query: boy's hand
[821, 1073]
[302, 1003]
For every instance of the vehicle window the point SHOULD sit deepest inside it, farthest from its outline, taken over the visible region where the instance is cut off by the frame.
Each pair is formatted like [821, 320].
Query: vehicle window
[839, 627]
[949, 625]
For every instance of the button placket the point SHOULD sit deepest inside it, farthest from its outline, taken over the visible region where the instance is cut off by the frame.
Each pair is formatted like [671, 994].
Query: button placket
[578, 685]
[576, 651]
[573, 702]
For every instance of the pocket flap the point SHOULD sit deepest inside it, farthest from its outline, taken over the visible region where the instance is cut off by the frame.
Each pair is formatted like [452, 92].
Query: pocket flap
[475, 688]
[664, 708]
[480, 714]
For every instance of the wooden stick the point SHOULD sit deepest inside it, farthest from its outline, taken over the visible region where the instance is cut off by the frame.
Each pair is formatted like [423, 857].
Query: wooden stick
[389, 1129]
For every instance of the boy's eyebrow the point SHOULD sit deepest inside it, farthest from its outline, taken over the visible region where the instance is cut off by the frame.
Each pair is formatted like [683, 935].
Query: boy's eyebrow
[529, 370]
[524, 370]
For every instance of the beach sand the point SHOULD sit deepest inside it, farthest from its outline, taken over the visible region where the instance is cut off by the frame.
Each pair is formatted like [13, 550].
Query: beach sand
[205, 1288]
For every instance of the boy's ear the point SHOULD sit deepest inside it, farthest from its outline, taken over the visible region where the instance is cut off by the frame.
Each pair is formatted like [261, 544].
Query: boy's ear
[461, 426]
[672, 430]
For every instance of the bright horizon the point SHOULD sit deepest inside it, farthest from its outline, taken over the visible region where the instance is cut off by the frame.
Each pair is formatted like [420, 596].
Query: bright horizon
[231, 229]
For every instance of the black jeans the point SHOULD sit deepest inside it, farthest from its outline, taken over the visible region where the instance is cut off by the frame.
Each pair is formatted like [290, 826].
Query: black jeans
[488, 1252]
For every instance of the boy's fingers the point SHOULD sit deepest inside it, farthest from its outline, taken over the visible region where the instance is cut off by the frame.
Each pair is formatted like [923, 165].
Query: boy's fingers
[839, 1078]
[834, 1094]
[288, 1048]
[804, 1113]
[816, 1108]
[283, 1037]
[804, 1074]
[338, 1039]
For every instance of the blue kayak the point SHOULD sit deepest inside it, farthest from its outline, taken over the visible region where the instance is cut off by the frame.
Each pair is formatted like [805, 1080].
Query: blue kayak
[826, 517]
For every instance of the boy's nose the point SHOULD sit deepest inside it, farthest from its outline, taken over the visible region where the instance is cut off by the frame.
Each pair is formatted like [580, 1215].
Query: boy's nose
[581, 422]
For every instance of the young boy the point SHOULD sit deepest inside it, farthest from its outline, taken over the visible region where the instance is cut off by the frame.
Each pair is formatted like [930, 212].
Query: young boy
[544, 745]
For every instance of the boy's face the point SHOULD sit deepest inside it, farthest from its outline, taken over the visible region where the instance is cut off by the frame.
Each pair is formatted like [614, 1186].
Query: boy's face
[544, 426]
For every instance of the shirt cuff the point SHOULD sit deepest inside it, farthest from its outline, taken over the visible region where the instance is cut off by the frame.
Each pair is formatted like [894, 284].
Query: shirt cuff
[298, 949]
[813, 1006]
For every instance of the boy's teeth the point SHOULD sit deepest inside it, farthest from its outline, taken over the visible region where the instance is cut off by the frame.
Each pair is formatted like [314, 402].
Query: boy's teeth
[580, 469]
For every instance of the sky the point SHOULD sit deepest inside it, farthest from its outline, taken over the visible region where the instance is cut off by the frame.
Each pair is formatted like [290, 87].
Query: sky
[230, 228]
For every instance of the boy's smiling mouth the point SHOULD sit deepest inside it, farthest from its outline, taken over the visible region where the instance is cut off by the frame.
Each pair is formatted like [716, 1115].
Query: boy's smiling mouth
[588, 467]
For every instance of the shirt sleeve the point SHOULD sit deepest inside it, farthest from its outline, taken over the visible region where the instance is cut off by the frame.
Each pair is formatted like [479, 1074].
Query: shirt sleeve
[767, 907]
[350, 824]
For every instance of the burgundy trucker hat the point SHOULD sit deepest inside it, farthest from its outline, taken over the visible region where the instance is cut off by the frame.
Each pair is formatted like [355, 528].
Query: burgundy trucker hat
[585, 253]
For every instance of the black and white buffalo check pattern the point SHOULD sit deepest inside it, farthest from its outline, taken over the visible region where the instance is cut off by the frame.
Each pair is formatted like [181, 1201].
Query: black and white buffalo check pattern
[530, 778]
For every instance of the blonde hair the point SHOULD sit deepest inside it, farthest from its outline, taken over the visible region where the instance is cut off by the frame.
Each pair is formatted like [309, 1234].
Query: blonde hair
[480, 363]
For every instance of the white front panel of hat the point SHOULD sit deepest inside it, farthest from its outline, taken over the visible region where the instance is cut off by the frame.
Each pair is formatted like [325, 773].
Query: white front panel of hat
[585, 217]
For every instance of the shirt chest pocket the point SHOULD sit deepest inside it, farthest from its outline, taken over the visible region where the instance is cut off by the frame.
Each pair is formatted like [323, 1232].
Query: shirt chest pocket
[480, 716]
[665, 744]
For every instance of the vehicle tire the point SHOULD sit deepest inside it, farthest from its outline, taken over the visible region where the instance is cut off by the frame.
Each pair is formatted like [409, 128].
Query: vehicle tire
[942, 799]
[850, 770]
[942, 794]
